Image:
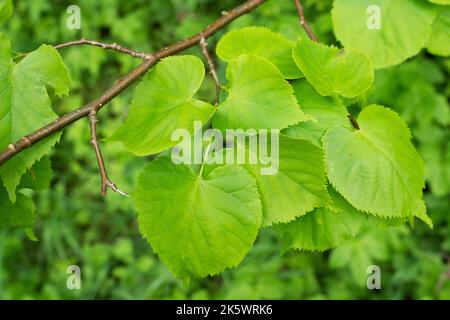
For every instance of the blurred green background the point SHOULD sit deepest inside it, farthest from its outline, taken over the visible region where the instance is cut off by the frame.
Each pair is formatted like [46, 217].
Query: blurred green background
[76, 225]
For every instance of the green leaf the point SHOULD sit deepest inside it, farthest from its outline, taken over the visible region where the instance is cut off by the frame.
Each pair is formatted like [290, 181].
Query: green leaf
[326, 111]
[25, 105]
[198, 225]
[162, 103]
[323, 228]
[439, 42]
[6, 10]
[331, 71]
[376, 168]
[21, 214]
[39, 176]
[299, 184]
[258, 98]
[405, 27]
[263, 42]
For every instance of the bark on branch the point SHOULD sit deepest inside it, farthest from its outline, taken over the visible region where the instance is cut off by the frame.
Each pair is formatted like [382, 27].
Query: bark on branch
[106, 182]
[303, 22]
[212, 68]
[106, 46]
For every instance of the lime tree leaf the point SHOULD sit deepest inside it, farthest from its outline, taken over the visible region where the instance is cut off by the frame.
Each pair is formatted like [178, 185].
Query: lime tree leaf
[21, 214]
[439, 42]
[198, 225]
[39, 176]
[25, 105]
[258, 98]
[323, 228]
[298, 184]
[262, 42]
[162, 103]
[326, 111]
[6, 10]
[376, 168]
[332, 71]
[405, 27]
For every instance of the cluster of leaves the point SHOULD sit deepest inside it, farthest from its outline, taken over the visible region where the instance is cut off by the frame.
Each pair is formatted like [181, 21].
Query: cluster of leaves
[333, 178]
[75, 225]
[375, 169]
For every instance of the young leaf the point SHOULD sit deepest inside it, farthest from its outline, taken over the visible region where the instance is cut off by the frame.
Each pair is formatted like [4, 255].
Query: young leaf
[25, 105]
[323, 228]
[331, 71]
[388, 31]
[299, 184]
[439, 42]
[376, 168]
[327, 112]
[263, 42]
[198, 225]
[21, 214]
[162, 103]
[258, 98]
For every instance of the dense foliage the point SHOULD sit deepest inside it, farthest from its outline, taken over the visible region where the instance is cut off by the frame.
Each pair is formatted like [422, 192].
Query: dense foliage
[315, 86]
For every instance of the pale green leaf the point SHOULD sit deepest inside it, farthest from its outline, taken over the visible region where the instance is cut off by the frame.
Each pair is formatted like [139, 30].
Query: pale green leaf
[296, 185]
[162, 103]
[332, 71]
[258, 97]
[439, 42]
[404, 29]
[198, 225]
[323, 228]
[326, 111]
[376, 168]
[25, 105]
[263, 42]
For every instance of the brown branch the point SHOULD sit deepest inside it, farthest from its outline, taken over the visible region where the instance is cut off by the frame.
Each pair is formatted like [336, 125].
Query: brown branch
[353, 121]
[106, 182]
[303, 21]
[212, 68]
[313, 37]
[106, 46]
[123, 83]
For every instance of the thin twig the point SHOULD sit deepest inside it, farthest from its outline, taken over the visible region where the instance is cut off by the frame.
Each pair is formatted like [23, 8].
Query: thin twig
[212, 68]
[303, 21]
[123, 83]
[353, 121]
[106, 182]
[106, 46]
[313, 37]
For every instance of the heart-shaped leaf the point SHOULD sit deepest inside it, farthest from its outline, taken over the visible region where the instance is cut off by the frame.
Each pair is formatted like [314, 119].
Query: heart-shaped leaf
[198, 225]
[377, 168]
[25, 105]
[331, 71]
[262, 42]
[258, 98]
[388, 31]
[162, 103]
